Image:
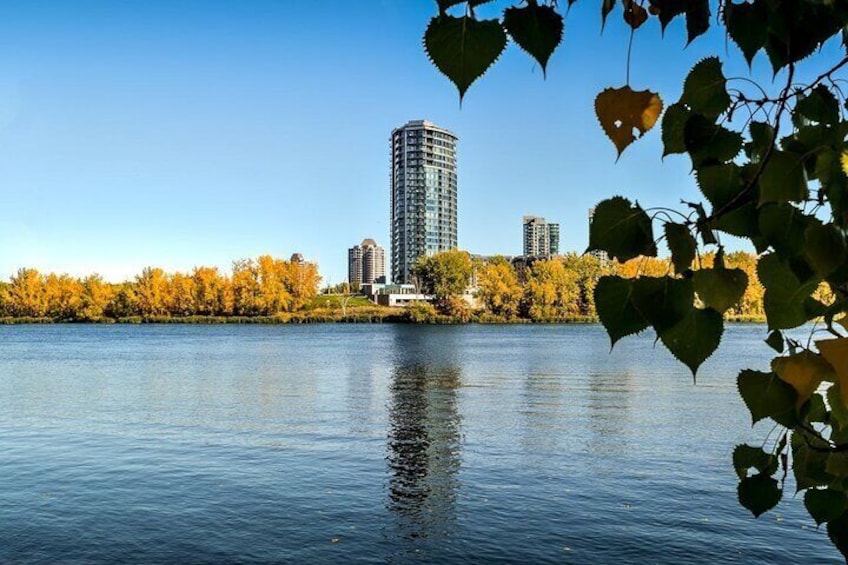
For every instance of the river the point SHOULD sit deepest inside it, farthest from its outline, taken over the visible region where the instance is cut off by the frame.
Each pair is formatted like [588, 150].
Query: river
[378, 443]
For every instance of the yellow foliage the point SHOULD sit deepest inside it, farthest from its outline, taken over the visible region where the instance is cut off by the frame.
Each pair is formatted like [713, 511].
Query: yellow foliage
[498, 288]
[835, 351]
[804, 371]
[623, 110]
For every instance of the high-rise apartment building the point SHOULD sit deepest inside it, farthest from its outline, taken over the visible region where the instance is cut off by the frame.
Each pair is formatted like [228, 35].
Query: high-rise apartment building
[424, 187]
[541, 239]
[366, 263]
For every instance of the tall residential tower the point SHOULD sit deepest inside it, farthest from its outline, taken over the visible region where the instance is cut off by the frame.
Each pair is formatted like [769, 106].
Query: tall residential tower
[366, 263]
[424, 186]
[541, 239]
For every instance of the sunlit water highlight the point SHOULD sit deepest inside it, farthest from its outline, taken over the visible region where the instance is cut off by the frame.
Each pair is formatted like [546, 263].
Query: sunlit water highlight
[377, 443]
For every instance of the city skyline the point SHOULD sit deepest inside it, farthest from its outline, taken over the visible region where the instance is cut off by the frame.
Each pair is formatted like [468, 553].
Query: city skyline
[180, 134]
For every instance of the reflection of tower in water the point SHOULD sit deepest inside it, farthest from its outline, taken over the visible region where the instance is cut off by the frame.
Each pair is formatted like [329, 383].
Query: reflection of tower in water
[424, 438]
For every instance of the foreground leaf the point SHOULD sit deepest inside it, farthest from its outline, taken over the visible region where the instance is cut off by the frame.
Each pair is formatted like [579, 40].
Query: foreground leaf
[695, 338]
[746, 457]
[835, 352]
[820, 106]
[697, 19]
[837, 531]
[634, 14]
[720, 289]
[786, 298]
[808, 464]
[615, 309]
[804, 371]
[673, 129]
[708, 143]
[766, 396]
[747, 26]
[720, 183]
[535, 28]
[775, 341]
[623, 111]
[622, 229]
[825, 248]
[705, 89]
[825, 505]
[663, 301]
[759, 493]
[783, 179]
[682, 246]
[463, 48]
[783, 225]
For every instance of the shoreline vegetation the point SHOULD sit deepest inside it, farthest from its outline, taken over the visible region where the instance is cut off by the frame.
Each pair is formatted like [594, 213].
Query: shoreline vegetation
[375, 315]
[268, 290]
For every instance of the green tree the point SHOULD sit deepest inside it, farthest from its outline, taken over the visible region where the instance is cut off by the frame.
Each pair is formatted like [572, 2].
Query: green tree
[777, 177]
[445, 275]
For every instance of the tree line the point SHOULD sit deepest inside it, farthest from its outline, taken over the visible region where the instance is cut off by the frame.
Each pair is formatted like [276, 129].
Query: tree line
[558, 288]
[262, 287]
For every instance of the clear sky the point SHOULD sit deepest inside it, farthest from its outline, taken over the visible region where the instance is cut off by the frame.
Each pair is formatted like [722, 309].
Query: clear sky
[178, 133]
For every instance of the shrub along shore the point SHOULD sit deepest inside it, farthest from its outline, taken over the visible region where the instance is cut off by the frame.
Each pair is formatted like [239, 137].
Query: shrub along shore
[352, 316]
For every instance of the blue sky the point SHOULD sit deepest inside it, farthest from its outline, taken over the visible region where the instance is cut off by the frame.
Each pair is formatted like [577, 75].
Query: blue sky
[182, 133]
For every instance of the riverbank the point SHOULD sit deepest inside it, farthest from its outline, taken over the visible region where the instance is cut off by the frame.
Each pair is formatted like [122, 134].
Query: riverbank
[365, 316]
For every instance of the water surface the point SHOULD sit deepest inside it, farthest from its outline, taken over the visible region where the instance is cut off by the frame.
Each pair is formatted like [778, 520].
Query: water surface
[377, 443]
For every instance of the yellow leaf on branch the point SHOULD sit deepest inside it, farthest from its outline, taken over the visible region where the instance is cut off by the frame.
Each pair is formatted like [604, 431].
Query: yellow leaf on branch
[804, 371]
[835, 351]
[845, 162]
[624, 113]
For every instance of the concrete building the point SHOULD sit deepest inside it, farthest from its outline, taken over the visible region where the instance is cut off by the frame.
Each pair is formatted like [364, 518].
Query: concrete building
[541, 239]
[366, 263]
[423, 194]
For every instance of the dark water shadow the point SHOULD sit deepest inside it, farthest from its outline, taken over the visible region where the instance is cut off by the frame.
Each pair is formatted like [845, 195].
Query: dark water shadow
[424, 440]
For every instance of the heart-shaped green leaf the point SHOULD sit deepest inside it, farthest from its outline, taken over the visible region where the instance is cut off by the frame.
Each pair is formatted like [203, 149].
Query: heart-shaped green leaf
[464, 48]
[535, 28]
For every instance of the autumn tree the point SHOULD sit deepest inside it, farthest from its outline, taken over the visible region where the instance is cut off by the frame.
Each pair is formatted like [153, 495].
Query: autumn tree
[247, 297]
[273, 275]
[95, 298]
[588, 269]
[26, 294]
[551, 292]
[64, 297]
[5, 305]
[212, 292]
[771, 163]
[301, 280]
[151, 289]
[445, 275]
[498, 287]
[124, 303]
[179, 295]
